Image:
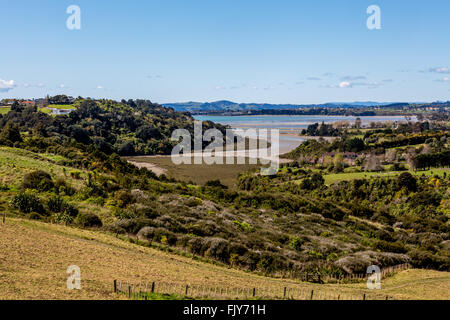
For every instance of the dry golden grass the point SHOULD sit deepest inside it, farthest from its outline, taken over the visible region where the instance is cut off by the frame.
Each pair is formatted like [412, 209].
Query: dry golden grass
[197, 173]
[34, 258]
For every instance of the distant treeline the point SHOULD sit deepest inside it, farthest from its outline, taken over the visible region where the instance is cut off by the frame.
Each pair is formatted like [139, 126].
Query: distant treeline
[306, 112]
[410, 140]
[433, 160]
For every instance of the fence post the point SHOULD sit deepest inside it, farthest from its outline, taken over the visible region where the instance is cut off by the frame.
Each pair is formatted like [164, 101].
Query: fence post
[153, 287]
[4, 217]
[254, 292]
[284, 295]
[129, 291]
[364, 296]
[186, 291]
[387, 298]
[312, 293]
[115, 286]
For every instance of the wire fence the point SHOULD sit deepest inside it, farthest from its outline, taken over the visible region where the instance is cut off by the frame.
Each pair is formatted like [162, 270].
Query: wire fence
[145, 290]
[358, 276]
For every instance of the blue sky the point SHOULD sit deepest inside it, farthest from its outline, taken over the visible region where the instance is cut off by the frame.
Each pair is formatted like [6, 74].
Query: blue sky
[299, 51]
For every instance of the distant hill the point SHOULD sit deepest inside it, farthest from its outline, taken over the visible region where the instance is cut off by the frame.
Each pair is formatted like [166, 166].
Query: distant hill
[225, 105]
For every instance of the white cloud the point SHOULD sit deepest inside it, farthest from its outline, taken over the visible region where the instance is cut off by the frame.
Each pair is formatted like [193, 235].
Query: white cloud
[345, 84]
[39, 85]
[6, 85]
[444, 70]
[99, 87]
[445, 79]
[348, 84]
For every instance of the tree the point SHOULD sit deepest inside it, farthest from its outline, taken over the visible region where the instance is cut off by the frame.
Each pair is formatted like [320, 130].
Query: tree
[407, 180]
[11, 132]
[316, 181]
[147, 132]
[16, 107]
[354, 145]
[373, 163]
[40, 130]
[411, 161]
[391, 155]
[338, 162]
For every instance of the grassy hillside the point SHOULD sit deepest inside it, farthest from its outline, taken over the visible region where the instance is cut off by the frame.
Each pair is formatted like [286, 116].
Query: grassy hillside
[68, 170]
[15, 163]
[34, 267]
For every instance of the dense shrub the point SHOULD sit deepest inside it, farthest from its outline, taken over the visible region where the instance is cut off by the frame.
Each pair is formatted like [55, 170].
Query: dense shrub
[124, 198]
[215, 184]
[314, 182]
[61, 186]
[423, 259]
[39, 180]
[407, 180]
[27, 202]
[129, 225]
[296, 243]
[67, 213]
[386, 246]
[88, 220]
[55, 204]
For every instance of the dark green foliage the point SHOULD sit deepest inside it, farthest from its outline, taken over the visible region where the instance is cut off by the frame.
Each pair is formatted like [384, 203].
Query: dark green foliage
[62, 210]
[423, 259]
[426, 161]
[10, 133]
[296, 243]
[38, 180]
[61, 186]
[424, 199]
[146, 133]
[406, 180]
[314, 182]
[27, 202]
[324, 130]
[127, 149]
[56, 204]
[386, 246]
[215, 184]
[67, 213]
[88, 220]
[354, 145]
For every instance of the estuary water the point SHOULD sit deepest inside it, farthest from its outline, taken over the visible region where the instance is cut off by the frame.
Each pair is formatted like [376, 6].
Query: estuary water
[289, 126]
[290, 122]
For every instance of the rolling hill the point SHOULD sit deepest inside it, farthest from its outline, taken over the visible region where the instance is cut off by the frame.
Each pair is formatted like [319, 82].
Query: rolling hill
[38, 254]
